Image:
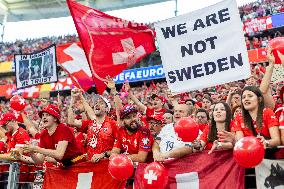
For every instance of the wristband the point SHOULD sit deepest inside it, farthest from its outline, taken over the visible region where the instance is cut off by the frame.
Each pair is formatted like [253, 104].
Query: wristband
[219, 145]
[106, 155]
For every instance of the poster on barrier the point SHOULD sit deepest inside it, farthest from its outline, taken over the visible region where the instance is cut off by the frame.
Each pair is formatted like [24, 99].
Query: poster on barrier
[270, 174]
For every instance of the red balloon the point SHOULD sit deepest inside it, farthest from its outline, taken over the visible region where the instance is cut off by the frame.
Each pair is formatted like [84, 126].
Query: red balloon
[155, 176]
[248, 152]
[187, 129]
[120, 167]
[277, 44]
[18, 103]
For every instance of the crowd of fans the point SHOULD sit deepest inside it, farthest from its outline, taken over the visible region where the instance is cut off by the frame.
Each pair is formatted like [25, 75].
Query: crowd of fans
[260, 9]
[136, 121]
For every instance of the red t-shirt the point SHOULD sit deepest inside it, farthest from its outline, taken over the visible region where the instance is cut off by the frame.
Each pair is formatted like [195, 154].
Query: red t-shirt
[100, 137]
[151, 111]
[21, 136]
[62, 133]
[204, 136]
[141, 140]
[268, 120]
[3, 148]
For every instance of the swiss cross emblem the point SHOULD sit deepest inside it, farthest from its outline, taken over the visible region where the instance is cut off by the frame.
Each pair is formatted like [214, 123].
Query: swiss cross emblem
[130, 53]
[145, 141]
[150, 176]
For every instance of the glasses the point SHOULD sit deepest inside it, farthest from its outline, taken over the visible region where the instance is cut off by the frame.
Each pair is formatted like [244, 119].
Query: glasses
[154, 123]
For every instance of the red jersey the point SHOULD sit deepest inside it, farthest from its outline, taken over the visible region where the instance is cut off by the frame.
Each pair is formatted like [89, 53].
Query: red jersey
[3, 148]
[151, 112]
[62, 133]
[204, 136]
[21, 136]
[268, 120]
[100, 138]
[141, 140]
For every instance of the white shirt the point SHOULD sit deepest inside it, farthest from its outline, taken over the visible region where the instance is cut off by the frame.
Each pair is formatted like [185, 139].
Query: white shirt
[169, 139]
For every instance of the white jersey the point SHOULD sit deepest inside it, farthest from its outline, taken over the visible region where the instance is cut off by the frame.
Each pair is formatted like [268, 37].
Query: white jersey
[169, 139]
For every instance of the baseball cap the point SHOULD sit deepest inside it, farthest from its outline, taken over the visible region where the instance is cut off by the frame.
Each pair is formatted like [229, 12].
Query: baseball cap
[127, 109]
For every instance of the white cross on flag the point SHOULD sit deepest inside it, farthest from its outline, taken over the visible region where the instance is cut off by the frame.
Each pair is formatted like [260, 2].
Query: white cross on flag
[150, 176]
[111, 44]
[72, 59]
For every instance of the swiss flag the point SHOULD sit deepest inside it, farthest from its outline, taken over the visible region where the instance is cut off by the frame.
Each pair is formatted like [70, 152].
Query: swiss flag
[30, 92]
[111, 44]
[198, 171]
[83, 175]
[73, 60]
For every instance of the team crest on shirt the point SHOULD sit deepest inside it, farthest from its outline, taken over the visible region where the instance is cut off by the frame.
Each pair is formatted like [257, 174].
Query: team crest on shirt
[145, 141]
[93, 142]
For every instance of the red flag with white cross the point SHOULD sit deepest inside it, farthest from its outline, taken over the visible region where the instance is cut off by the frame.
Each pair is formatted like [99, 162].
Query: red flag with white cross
[111, 44]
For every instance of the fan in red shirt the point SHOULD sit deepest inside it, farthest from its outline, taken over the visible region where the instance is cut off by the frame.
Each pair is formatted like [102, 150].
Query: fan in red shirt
[157, 103]
[57, 140]
[221, 122]
[257, 121]
[101, 130]
[14, 133]
[132, 139]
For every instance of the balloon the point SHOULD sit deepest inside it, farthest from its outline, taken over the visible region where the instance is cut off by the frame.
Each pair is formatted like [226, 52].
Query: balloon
[155, 176]
[248, 152]
[18, 103]
[187, 129]
[277, 44]
[120, 167]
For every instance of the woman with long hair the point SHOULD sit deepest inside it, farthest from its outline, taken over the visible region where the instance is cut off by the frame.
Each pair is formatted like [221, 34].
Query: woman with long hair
[257, 120]
[220, 122]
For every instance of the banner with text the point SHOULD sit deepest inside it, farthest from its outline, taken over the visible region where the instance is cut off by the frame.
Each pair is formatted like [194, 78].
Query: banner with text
[257, 25]
[203, 48]
[140, 74]
[36, 68]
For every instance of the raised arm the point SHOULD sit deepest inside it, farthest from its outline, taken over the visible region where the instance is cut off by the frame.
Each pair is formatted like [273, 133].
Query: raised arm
[265, 83]
[71, 117]
[140, 105]
[29, 125]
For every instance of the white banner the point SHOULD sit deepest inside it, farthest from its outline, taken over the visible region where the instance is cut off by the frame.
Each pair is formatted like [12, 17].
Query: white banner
[270, 174]
[36, 68]
[203, 48]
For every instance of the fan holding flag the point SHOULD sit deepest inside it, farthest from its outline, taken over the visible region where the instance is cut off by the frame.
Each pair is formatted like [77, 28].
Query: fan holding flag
[111, 44]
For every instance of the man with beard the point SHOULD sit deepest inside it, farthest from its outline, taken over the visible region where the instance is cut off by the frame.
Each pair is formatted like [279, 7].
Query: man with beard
[101, 129]
[132, 139]
[155, 123]
[167, 144]
[56, 140]
[202, 118]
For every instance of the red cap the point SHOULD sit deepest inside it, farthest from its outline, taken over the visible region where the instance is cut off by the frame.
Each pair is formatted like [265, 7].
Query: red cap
[8, 116]
[163, 99]
[155, 117]
[127, 109]
[52, 110]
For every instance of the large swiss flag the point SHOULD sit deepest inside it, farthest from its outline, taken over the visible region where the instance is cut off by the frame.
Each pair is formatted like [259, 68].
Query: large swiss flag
[111, 44]
[82, 176]
[198, 171]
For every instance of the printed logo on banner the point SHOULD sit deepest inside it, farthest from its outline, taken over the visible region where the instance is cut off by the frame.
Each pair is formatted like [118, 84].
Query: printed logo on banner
[203, 48]
[36, 68]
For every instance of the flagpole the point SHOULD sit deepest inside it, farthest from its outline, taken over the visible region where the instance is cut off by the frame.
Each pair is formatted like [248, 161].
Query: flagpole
[176, 11]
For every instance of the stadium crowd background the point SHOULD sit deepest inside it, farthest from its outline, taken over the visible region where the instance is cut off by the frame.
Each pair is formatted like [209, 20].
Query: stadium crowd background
[248, 11]
[143, 91]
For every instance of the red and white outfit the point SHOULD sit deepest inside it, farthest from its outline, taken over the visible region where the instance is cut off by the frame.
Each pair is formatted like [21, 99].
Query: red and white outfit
[101, 137]
[141, 140]
[268, 120]
[61, 133]
[204, 136]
